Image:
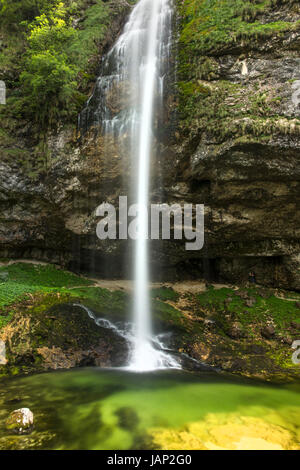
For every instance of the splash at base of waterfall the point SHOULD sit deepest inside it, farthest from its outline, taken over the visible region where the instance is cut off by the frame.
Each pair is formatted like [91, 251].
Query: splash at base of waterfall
[144, 357]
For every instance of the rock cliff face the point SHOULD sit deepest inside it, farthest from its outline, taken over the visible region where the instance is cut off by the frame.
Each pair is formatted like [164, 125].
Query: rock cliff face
[239, 115]
[231, 141]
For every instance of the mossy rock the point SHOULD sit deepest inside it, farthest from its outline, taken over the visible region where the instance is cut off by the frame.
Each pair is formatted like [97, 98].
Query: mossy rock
[20, 421]
[55, 334]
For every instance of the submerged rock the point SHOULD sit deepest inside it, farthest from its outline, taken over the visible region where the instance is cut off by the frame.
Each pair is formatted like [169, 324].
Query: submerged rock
[127, 418]
[226, 432]
[20, 421]
[32, 441]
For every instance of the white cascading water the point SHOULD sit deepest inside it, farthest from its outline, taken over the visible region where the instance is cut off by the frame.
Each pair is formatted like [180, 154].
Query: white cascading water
[125, 330]
[148, 22]
[133, 71]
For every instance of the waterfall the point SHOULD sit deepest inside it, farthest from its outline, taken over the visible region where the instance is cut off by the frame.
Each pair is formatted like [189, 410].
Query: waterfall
[125, 105]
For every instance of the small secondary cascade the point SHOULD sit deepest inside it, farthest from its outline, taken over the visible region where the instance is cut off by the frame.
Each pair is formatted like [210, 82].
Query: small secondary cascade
[125, 105]
[126, 331]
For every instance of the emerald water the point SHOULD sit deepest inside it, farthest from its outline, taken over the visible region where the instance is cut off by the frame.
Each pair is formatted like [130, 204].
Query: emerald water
[113, 409]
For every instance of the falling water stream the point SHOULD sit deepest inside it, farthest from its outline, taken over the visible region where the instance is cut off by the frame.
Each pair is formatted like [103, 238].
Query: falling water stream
[133, 75]
[149, 21]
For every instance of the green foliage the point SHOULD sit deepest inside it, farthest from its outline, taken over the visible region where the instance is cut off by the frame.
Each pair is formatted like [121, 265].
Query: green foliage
[14, 12]
[89, 38]
[58, 62]
[94, 28]
[44, 282]
[215, 27]
[112, 304]
[51, 31]
[24, 279]
[28, 281]
[49, 79]
[211, 23]
[4, 320]
[49, 84]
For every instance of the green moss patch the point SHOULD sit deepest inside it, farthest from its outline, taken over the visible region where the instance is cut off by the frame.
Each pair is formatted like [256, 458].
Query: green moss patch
[212, 28]
[20, 279]
[209, 24]
[249, 307]
[168, 317]
[111, 304]
[164, 293]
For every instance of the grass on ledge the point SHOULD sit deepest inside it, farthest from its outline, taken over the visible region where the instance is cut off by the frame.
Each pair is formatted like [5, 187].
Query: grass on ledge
[20, 279]
[267, 307]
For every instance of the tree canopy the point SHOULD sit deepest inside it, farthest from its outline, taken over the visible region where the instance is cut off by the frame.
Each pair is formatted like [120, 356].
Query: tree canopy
[55, 67]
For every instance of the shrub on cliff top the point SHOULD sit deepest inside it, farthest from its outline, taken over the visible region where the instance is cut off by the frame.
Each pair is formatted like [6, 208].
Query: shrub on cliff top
[60, 41]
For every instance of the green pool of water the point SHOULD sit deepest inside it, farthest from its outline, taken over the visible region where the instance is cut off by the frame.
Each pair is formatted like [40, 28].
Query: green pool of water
[110, 409]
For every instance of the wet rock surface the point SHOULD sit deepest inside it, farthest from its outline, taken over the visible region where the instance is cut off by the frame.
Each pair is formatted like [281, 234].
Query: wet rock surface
[61, 336]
